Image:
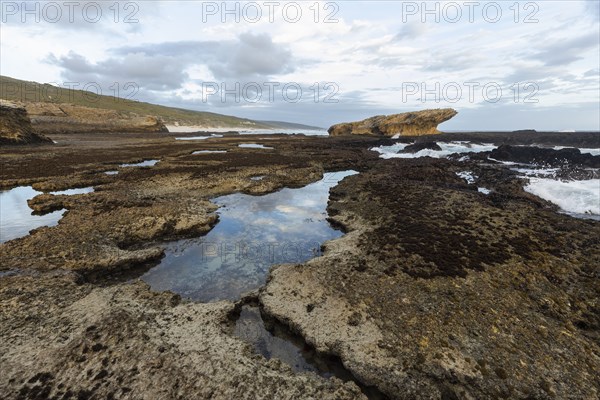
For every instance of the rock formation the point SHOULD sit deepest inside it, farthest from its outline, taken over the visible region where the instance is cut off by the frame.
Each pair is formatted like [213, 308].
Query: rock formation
[15, 126]
[415, 148]
[415, 123]
[545, 156]
[70, 118]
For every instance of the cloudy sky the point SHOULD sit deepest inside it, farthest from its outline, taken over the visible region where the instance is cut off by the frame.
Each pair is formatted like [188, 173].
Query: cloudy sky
[502, 66]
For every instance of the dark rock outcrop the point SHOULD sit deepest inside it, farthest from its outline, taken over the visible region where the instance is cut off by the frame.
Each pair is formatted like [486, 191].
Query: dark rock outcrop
[414, 148]
[415, 123]
[15, 126]
[545, 156]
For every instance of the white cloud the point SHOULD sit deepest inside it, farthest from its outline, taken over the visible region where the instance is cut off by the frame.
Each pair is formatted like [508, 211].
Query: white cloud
[372, 52]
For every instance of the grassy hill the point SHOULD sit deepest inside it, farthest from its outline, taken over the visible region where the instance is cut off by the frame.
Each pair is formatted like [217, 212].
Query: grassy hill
[25, 91]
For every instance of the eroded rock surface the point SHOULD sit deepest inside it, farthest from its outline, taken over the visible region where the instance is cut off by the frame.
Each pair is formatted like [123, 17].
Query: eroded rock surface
[415, 148]
[51, 118]
[67, 340]
[415, 123]
[438, 291]
[69, 329]
[15, 126]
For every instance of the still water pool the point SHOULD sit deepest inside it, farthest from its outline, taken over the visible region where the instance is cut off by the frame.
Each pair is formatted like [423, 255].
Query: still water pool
[253, 233]
[15, 215]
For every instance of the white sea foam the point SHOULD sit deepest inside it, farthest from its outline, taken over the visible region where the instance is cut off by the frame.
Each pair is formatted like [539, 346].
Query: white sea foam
[467, 176]
[447, 149]
[247, 131]
[505, 162]
[579, 197]
[307, 132]
[198, 128]
[536, 172]
[199, 137]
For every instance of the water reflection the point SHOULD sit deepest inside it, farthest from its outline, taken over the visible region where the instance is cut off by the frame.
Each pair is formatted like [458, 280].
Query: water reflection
[71, 192]
[146, 163]
[15, 215]
[253, 233]
[253, 146]
[282, 344]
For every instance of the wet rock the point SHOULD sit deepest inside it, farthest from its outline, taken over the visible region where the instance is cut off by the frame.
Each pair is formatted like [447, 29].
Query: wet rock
[545, 156]
[414, 148]
[435, 291]
[46, 203]
[406, 124]
[473, 279]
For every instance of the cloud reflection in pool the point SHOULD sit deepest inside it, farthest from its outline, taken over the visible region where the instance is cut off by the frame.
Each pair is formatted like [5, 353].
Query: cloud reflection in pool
[253, 233]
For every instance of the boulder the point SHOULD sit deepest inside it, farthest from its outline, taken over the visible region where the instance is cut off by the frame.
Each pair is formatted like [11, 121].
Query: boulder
[416, 147]
[15, 126]
[415, 123]
[545, 156]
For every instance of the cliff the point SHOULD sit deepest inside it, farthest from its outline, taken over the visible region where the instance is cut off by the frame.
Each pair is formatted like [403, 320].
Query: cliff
[406, 124]
[70, 118]
[15, 126]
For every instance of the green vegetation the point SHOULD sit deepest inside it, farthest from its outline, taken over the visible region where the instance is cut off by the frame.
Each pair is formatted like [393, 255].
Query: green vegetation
[24, 91]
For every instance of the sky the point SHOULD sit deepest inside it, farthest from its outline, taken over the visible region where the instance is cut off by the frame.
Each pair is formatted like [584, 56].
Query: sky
[503, 65]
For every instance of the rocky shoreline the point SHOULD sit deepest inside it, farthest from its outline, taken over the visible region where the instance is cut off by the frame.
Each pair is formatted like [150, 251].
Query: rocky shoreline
[436, 290]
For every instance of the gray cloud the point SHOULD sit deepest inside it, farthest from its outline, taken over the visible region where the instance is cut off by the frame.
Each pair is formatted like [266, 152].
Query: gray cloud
[148, 72]
[250, 56]
[536, 74]
[410, 31]
[162, 66]
[566, 51]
